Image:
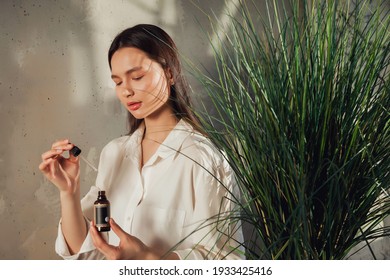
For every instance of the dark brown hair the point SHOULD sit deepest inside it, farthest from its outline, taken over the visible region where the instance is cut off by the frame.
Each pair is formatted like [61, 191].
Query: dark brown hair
[159, 46]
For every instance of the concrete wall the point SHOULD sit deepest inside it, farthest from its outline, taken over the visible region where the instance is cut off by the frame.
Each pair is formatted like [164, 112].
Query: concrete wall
[55, 83]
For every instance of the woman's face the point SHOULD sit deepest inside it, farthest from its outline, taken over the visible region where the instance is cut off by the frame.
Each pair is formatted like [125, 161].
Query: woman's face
[141, 83]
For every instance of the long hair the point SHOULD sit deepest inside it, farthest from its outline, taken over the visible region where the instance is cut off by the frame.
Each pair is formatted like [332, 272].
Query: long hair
[159, 46]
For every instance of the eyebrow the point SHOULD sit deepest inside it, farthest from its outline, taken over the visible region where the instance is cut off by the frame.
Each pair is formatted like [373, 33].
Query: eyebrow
[128, 71]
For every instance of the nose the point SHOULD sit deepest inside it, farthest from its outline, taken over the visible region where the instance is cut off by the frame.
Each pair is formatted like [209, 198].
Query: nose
[127, 92]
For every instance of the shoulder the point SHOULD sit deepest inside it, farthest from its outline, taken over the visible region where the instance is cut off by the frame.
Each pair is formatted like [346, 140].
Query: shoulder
[117, 142]
[200, 148]
[115, 146]
[110, 159]
[211, 164]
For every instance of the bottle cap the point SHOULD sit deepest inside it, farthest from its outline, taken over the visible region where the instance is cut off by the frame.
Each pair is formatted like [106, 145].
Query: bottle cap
[75, 151]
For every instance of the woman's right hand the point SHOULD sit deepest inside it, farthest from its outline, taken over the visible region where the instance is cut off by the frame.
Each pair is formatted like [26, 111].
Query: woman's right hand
[62, 172]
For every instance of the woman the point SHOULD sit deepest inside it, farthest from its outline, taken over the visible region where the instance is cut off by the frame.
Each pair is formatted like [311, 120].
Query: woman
[170, 189]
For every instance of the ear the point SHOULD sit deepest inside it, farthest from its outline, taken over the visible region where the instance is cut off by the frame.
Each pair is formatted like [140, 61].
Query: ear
[169, 76]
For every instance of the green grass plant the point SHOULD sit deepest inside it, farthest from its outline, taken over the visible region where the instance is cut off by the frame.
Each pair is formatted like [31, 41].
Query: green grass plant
[301, 110]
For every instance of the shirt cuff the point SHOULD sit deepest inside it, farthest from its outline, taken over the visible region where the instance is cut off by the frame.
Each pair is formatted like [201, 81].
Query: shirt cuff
[203, 254]
[87, 250]
[189, 254]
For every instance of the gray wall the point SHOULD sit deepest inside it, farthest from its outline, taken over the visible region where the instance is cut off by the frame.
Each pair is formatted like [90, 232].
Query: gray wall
[55, 83]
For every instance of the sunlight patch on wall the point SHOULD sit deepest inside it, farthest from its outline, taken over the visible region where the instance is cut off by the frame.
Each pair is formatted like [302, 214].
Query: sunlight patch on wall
[79, 70]
[230, 10]
[2, 205]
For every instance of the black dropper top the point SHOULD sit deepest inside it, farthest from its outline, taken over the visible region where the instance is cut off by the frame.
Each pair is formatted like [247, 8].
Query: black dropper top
[75, 151]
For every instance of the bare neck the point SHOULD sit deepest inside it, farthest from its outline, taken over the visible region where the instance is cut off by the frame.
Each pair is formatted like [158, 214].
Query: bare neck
[158, 127]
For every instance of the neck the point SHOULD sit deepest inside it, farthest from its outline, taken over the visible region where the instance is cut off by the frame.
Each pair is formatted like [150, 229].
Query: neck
[158, 128]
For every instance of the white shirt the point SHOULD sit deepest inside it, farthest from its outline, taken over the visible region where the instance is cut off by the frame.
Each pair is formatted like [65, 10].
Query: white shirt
[169, 202]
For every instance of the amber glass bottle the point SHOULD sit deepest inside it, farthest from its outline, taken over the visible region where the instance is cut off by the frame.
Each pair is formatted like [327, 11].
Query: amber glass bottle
[102, 212]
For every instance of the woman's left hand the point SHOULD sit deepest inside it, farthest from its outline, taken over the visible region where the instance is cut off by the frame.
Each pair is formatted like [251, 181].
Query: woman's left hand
[129, 248]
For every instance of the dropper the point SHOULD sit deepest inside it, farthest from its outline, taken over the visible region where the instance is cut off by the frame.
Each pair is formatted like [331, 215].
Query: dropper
[75, 151]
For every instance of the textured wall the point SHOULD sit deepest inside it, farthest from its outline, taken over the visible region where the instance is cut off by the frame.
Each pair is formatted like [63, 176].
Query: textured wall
[55, 83]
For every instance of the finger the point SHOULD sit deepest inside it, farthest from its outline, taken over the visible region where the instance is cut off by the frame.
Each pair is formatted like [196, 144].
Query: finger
[60, 142]
[106, 249]
[68, 147]
[44, 165]
[51, 154]
[49, 160]
[118, 230]
[64, 147]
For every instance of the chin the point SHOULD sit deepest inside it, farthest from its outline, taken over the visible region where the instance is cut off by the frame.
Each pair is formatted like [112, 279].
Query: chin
[138, 117]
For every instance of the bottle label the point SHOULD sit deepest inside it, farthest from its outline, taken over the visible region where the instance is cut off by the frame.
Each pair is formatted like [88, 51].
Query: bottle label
[102, 215]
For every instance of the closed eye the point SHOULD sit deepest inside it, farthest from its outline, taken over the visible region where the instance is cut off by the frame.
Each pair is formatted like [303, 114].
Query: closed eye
[137, 78]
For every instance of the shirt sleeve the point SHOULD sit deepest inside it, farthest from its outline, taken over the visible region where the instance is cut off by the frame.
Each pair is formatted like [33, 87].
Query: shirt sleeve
[217, 231]
[109, 161]
[87, 250]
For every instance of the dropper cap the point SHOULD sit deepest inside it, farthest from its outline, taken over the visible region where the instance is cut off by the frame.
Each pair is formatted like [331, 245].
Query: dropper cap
[75, 151]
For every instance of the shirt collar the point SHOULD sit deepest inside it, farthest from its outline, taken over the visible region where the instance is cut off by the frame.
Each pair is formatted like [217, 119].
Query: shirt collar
[171, 145]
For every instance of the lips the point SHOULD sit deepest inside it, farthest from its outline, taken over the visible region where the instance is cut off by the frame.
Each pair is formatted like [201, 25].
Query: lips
[134, 105]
